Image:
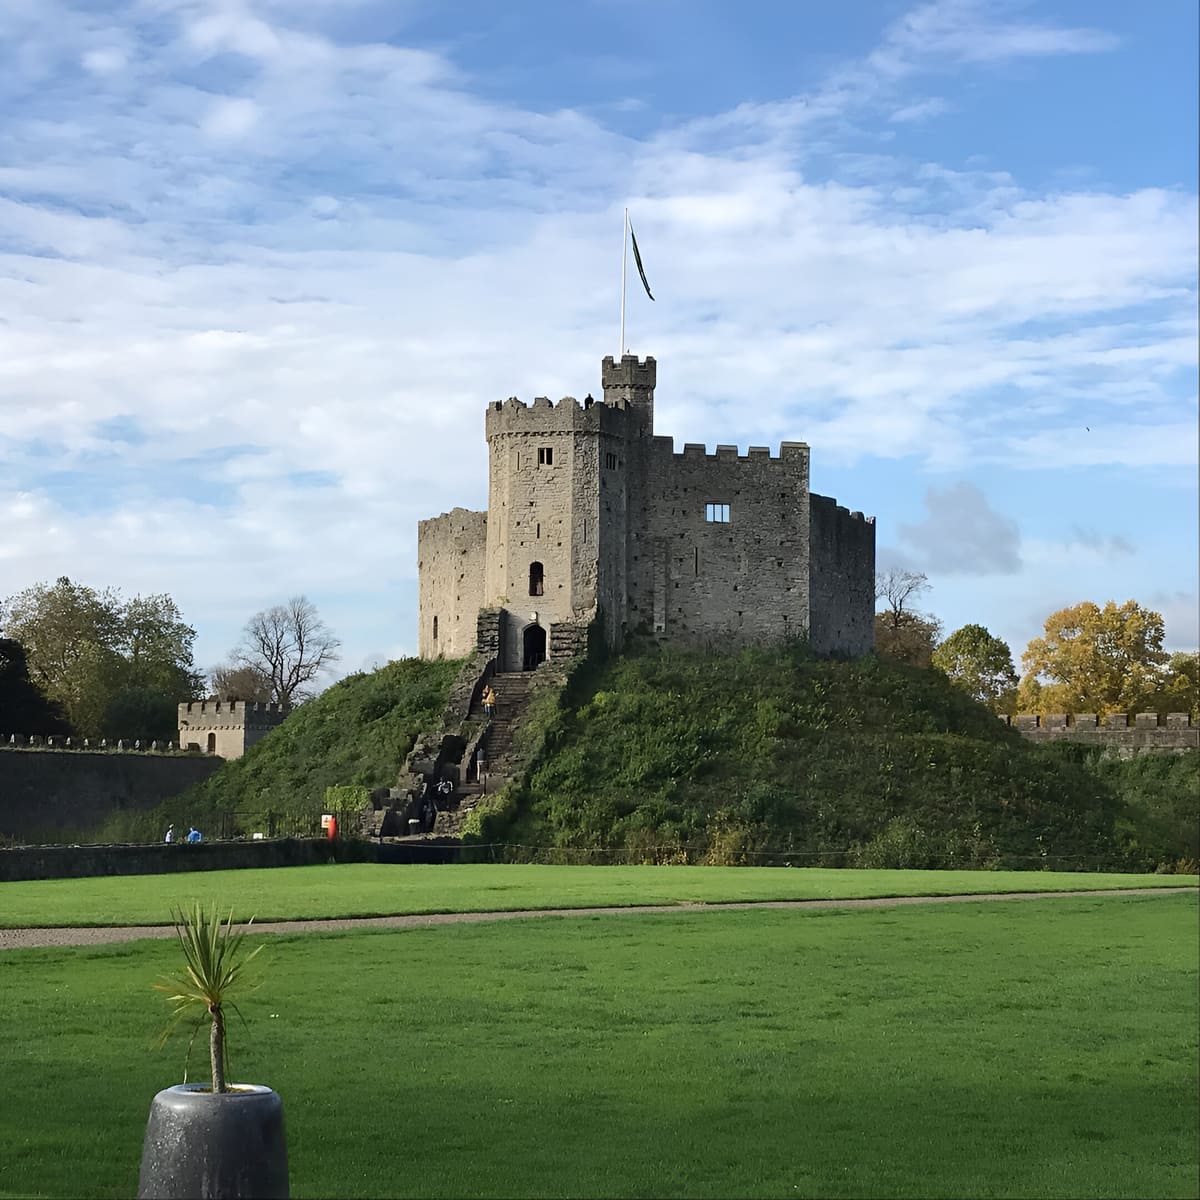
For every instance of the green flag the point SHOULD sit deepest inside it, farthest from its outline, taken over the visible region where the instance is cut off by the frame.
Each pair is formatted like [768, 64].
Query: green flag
[637, 258]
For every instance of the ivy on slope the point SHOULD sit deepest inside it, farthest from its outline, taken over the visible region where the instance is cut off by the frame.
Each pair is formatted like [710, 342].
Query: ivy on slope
[675, 755]
[356, 732]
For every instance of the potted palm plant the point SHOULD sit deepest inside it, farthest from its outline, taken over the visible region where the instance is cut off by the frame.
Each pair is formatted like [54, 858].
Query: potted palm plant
[218, 1140]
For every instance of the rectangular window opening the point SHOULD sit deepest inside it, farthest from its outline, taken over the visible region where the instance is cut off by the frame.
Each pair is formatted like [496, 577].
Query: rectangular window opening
[717, 512]
[545, 456]
[610, 461]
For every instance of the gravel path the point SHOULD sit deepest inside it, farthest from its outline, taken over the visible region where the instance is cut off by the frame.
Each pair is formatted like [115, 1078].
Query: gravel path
[12, 939]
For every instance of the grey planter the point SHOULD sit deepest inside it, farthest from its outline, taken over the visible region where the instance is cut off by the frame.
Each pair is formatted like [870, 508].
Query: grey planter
[229, 1146]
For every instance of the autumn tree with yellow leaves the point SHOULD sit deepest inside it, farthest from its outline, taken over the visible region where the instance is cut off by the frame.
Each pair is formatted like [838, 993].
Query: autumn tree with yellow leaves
[1096, 660]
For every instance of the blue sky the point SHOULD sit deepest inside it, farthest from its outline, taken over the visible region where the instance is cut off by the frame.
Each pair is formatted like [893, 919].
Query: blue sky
[264, 262]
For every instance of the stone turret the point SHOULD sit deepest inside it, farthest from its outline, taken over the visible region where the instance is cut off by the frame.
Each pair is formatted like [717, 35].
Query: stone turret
[227, 728]
[630, 384]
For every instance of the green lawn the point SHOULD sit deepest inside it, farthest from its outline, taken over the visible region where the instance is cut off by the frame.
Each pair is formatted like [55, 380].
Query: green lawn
[371, 889]
[1039, 1049]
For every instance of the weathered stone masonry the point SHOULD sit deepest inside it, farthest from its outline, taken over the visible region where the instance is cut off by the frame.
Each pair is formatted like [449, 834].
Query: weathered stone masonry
[227, 728]
[1115, 733]
[589, 513]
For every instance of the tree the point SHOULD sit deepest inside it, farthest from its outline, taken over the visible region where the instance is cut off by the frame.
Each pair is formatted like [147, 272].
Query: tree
[155, 646]
[23, 708]
[981, 665]
[1181, 685]
[231, 682]
[903, 632]
[68, 632]
[1094, 659]
[290, 645]
[100, 657]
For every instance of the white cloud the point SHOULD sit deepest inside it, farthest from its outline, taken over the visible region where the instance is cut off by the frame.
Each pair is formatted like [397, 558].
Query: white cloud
[329, 273]
[921, 110]
[230, 117]
[106, 61]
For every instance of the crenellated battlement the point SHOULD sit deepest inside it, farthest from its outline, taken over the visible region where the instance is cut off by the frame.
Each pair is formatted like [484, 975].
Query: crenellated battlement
[1126, 733]
[544, 416]
[630, 372]
[234, 709]
[228, 727]
[698, 452]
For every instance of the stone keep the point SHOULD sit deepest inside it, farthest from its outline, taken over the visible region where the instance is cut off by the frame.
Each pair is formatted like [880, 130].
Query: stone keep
[590, 514]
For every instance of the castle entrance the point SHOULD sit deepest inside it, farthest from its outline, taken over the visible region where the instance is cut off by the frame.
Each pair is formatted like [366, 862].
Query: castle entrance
[534, 640]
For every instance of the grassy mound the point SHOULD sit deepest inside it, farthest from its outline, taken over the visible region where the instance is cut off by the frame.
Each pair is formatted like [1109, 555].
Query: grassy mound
[677, 756]
[356, 732]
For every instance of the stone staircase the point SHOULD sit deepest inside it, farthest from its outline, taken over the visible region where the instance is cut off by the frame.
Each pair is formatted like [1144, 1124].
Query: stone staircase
[512, 690]
[496, 754]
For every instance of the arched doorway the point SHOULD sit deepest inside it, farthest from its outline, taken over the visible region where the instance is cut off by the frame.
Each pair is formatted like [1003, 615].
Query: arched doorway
[212, 743]
[534, 642]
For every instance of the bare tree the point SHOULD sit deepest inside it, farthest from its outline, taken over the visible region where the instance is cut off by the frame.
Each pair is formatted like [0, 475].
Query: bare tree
[897, 587]
[903, 632]
[230, 681]
[289, 645]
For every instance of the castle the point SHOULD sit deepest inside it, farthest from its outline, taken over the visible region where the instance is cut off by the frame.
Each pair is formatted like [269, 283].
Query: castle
[590, 514]
[227, 728]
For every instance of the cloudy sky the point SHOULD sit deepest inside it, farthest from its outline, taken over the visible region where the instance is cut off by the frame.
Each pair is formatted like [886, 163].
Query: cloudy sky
[264, 262]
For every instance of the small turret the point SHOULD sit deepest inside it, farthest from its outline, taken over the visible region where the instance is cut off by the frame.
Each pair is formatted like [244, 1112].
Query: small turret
[630, 384]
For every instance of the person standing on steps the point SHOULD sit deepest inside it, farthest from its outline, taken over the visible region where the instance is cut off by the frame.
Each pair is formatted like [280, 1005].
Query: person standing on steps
[170, 834]
[489, 701]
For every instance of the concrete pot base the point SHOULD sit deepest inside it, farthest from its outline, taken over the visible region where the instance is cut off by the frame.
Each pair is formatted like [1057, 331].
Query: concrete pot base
[229, 1146]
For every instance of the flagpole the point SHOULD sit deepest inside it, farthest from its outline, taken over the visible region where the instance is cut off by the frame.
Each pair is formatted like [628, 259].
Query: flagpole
[624, 258]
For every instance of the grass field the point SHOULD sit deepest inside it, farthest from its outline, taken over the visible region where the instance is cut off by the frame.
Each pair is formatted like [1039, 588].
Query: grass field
[1041, 1049]
[370, 889]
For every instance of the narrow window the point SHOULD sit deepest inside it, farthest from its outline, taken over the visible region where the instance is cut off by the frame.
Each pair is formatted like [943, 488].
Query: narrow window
[717, 512]
[610, 461]
[696, 552]
[435, 629]
[536, 580]
[545, 456]
[539, 529]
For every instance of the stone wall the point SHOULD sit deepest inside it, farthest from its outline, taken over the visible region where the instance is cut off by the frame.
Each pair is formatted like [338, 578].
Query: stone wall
[44, 792]
[736, 581]
[451, 555]
[77, 862]
[1172, 732]
[842, 581]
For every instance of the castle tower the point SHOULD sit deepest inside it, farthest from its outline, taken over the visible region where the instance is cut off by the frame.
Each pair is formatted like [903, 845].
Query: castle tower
[551, 519]
[590, 514]
[630, 384]
[227, 728]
